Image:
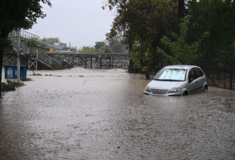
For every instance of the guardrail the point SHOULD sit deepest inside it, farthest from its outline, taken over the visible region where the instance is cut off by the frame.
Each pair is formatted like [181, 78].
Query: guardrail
[35, 53]
[220, 73]
[24, 34]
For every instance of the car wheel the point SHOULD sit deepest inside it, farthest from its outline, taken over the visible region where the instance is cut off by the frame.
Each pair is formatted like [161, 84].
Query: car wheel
[205, 89]
[185, 94]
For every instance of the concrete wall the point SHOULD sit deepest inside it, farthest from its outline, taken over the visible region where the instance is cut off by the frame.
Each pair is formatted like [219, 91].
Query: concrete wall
[115, 60]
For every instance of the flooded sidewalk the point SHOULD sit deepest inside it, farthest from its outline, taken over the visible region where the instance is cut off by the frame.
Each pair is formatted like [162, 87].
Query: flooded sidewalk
[83, 114]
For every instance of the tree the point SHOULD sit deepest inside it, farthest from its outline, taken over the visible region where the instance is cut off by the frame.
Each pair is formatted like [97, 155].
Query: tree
[181, 9]
[107, 49]
[99, 45]
[216, 17]
[140, 55]
[34, 43]
[114, 43]
[86, 49]
[65, 48]
[51, 40]
[182, 52]
[17, 14]
[97, 51]
[116, 46]
[147, 21]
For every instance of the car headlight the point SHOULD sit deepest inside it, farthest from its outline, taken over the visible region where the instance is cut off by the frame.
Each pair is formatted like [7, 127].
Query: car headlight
[174, 90]
[147, 89]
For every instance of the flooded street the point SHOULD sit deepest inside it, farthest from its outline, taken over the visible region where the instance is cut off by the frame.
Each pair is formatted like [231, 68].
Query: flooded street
[83, 114]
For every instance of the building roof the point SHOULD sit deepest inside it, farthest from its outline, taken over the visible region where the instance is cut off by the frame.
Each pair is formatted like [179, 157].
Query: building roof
[56, 47]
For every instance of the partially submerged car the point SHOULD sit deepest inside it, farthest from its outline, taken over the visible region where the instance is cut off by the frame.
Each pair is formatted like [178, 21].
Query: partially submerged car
[178, 80]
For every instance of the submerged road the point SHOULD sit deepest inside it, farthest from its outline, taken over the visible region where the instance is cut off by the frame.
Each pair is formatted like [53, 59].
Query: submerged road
[83, 114]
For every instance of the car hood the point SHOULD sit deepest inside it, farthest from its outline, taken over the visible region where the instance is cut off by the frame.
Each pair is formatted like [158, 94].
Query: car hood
[164, 84]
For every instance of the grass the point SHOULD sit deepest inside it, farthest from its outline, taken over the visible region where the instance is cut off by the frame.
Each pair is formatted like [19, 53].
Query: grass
[10, 86]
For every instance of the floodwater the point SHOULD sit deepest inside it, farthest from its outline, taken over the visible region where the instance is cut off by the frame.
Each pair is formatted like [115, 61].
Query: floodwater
[83, 114]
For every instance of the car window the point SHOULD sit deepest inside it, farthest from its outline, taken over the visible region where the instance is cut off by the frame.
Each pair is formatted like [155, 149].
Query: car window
[192, 74]
[198, 72]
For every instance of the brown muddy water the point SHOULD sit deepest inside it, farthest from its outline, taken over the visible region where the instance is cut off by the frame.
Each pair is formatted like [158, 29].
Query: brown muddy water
[103, 115]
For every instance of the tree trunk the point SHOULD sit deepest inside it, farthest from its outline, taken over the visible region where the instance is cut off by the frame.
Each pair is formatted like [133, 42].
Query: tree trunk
[130, 66]
[147, 76]
[130, 61]
[180, 10]
[1, 59]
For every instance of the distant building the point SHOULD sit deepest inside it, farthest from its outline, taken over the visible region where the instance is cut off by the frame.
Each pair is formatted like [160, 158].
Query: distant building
[100, 44]
[56, 46]
[103, 42]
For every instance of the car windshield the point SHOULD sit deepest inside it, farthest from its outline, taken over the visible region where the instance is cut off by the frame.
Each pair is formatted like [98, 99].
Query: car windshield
[171, 74]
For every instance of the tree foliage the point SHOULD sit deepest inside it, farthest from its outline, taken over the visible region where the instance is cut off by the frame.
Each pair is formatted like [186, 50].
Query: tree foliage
[147, 21]
[114, 43]
[140, 54]
[107, 49]
[65, 48]
[97, 51]
[35, 43]
[99, 45]
[145, 18]
[86, 49]
[18, 14]
[216, 17]
[179, 47]
[51, 40]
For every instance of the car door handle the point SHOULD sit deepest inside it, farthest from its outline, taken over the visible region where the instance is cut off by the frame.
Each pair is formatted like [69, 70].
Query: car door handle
[197, 82]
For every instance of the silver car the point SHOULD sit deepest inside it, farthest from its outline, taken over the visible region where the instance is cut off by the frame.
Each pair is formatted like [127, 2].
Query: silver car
[177, 80]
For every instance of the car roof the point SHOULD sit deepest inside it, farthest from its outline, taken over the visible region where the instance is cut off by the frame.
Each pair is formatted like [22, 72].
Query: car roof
[180, 66]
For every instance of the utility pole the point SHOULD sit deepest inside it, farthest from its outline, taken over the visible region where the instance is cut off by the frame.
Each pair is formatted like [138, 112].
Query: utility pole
[124, 34]
[18, 55]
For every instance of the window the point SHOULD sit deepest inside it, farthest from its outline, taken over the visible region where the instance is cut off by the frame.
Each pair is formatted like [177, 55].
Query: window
[198, 72]
[192, 74]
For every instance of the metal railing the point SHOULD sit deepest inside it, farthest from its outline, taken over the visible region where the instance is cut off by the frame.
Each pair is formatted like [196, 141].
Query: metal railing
[47, 60]
[219, 73]
[35, 53]
[26, 35]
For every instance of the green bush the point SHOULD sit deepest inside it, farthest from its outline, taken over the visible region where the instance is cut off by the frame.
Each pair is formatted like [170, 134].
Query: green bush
[6, 87]
[10, 86]
[26, 79]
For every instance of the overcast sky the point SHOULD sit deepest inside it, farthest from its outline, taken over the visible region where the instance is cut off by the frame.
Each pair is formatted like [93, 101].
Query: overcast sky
[81, 22]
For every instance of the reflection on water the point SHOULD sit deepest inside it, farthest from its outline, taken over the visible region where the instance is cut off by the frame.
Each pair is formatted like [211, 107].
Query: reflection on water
[102, 114]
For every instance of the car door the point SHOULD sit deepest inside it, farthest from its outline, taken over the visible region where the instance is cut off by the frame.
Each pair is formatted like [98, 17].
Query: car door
[200, 79]
[192, 87]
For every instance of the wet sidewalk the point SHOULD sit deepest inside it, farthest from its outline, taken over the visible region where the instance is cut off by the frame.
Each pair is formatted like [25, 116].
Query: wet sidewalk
[83, 114]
